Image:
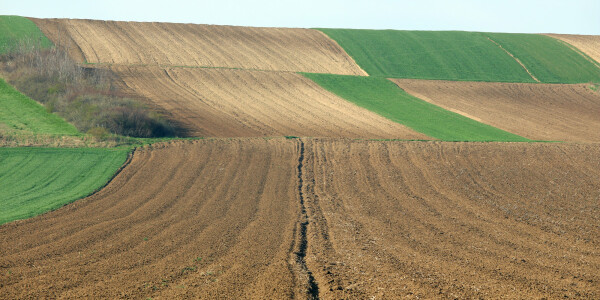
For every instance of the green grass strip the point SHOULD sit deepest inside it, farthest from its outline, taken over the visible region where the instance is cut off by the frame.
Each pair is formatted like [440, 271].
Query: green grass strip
[388, 100]
[36, 180]
[14, 29]
[19, 113]
[445, 55]
[548, 59]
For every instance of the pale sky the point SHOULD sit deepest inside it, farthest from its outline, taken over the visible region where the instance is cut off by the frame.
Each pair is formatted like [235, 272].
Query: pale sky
[526, 16]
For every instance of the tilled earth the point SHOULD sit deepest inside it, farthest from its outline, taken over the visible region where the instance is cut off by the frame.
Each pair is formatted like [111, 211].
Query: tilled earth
[327, 218]
[550, 112]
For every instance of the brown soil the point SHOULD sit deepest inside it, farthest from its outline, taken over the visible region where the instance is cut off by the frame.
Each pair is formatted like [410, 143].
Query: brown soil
[134, 43]
[188, 219]
[278, 218]
[230, 103]
[454, 220]
[559, 112]
[588, 44]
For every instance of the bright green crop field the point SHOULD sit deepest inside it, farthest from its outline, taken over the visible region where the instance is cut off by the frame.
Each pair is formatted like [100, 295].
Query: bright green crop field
[388, 100]
[37, 180]
[19, 113]
[14, 29]
[447, 55]
[548, 59]
[464, 56]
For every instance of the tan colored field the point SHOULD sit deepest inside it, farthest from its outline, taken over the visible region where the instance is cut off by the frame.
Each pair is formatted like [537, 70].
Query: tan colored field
[559, 112]
[278, 219]
[143, 43]
[230, 103]
[588, 44]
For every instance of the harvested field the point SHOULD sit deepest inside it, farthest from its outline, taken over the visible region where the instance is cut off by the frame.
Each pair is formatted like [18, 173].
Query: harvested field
[230, 103]
[559, 112]
[588, 44]
[189, 219]
[279, 218]
[135, 43]
[453, 220]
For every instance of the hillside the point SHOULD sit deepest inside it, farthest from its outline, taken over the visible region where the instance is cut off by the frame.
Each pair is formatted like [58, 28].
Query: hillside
[465, 56]
[554, 112]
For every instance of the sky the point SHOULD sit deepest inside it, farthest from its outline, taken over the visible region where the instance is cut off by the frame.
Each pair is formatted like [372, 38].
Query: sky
[523, 16]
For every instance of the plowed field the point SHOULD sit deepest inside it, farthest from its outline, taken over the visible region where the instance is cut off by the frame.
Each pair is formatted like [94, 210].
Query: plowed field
[558, 112]
[272, 219]
[132, 43]
[230, 103]
[202, 219]
[454, 220]
[588, 44]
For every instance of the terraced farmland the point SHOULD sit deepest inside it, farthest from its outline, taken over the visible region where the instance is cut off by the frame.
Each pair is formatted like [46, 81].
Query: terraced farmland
[275, 49]
[229, 103]
[279, 218]
[554, 112]
[383, 97]
[36, 180]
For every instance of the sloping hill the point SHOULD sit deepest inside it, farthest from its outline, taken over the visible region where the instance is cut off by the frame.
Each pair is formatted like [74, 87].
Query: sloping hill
[15, 30]
[144, 43]
[559, 112]
[383, 97]
[465, 56]
[588, 44]
[219, 102]
[20, 114]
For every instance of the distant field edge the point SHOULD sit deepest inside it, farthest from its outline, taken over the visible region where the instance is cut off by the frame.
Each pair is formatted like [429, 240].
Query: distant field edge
[34, 181]
[385, 98]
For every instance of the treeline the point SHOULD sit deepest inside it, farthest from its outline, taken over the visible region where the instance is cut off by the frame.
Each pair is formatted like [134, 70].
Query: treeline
[89, 98]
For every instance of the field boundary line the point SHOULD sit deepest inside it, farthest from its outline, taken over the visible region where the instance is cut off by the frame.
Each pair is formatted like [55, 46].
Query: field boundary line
[515, 58]
[312, 286]
[117, 172]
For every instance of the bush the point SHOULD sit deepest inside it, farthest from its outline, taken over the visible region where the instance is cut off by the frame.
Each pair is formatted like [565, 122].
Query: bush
[86, 97]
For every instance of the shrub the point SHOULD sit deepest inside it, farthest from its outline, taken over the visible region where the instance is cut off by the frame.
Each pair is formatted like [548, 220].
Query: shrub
[86, 97]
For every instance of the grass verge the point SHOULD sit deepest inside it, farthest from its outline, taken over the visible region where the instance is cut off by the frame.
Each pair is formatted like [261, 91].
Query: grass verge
[388, 100]
[36, 180]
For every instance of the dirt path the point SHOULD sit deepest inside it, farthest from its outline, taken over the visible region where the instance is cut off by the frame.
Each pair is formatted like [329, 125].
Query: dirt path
[135, 43]
[322, 218]
[558, 112]
[588, 44]
[516, 59]
[230, 103]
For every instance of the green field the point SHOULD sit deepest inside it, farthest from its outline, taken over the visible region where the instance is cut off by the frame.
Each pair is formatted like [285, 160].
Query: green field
[548, 59]
[447, 55]
[14, 29]
[464, 56]
[19, 113]
[388, 100]
[36, 180]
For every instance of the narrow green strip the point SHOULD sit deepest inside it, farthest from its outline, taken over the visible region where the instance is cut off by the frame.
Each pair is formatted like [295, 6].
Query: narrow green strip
[388, 100]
